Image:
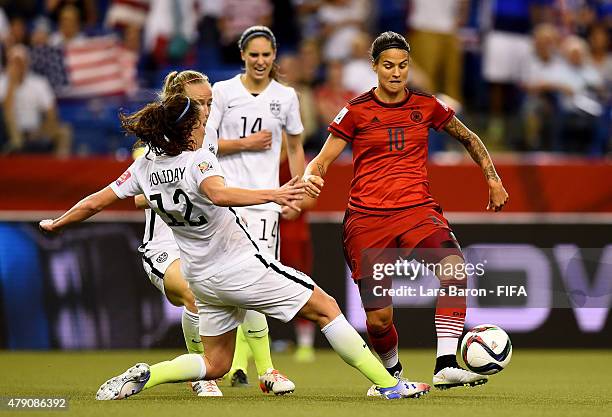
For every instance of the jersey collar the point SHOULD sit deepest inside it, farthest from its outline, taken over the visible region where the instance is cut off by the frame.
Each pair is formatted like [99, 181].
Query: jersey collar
[398, 104]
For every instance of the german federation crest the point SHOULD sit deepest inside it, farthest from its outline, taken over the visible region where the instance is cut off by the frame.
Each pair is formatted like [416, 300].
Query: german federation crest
[275, 107]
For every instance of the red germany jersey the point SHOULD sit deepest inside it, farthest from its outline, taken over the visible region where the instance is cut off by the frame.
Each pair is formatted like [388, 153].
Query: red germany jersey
[389, 149]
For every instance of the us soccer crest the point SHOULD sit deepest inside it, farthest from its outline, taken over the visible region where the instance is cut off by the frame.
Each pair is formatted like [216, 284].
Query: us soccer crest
[275, 107]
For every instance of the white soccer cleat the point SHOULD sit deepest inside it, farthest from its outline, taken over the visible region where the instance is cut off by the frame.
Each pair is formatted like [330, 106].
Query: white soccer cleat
[274, 381]
[457, 377]
[403, 389]
[206, 389]
[125, 385]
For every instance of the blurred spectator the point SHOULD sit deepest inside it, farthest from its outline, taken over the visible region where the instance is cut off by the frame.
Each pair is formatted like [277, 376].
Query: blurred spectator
[41, 29]
[171, 31]
[310, 62]
[238, 15]
[290, 71]
[358, 75]
[68, 26]
[435, 45]
[18, 32]
[125, 13]
[577, 16]
[307, 17]
[330, 98]
[341, 21]
[583, 88]
[87, 11]
[505, 50]
[209, 23]
[542, 83]
[28, 106]
[47, 60]
[599, 43]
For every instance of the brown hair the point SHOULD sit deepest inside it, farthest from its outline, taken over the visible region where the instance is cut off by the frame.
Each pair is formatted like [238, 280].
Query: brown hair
[388, 40]
[175, 82]
[164, 126]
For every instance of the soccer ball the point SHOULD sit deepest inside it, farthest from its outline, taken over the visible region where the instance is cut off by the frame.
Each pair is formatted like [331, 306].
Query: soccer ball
[486, 349]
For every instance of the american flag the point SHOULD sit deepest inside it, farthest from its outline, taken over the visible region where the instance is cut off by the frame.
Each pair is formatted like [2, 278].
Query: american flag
[88, 67]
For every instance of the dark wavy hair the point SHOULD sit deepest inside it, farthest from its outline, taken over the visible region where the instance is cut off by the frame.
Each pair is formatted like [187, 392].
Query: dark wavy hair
[387, 40]
[165, 126]
[259, 32]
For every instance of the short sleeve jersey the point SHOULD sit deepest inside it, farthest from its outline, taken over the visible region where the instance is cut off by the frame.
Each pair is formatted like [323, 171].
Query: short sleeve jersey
[210, 238]
[236, 114]
[390, 149]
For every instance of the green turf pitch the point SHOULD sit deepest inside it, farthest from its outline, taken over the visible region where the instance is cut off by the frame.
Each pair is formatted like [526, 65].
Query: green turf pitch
[537, 383]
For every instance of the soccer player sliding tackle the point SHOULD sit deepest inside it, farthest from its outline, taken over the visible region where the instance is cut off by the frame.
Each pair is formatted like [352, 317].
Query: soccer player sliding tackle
[390, 206]
[225, 270]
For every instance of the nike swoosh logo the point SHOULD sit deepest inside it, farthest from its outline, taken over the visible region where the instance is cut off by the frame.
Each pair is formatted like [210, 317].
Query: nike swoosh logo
[229, 107]
[256, 331]
[196, 341]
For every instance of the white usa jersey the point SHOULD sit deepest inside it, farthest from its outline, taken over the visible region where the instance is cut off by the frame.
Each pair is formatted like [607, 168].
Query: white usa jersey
[210, 238]
[236, 114]
[157, 235]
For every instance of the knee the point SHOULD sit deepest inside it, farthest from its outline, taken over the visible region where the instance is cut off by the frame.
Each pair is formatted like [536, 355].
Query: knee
[329, 311]
[379, 323]
[189, 301]
[217, 368]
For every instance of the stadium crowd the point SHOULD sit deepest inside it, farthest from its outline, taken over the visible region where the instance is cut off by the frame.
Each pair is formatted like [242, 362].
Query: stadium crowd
[529, 75]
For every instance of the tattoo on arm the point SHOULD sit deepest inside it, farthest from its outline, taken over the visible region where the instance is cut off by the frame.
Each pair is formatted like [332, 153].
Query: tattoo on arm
[474, 146]
[321, 169]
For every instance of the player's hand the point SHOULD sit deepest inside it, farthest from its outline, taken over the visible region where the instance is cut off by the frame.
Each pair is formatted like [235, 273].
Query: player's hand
[314, 184]
[498, 197]
[259, 141]
[287, 213]
[46, 227]
[290, 194]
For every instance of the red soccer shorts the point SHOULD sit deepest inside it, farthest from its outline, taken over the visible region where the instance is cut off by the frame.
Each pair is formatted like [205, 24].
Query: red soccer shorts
[422, 231]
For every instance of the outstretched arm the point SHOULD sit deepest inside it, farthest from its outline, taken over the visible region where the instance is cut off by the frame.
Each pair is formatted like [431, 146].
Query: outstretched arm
[81, 211]
[220, 195]
[317, 168]
[477, 150]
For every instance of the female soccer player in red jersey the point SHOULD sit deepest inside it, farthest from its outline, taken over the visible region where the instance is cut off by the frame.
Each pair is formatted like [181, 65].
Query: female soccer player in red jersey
[390, 205]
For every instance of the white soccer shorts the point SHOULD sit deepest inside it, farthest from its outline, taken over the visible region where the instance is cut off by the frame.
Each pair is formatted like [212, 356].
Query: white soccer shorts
[258, 283]
[155, 264]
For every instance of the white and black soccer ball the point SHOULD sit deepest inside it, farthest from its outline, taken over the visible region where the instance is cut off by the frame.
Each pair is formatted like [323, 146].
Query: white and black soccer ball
[486, 349]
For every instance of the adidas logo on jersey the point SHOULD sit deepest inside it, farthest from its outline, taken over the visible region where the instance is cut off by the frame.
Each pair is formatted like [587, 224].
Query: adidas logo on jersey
[375, 120]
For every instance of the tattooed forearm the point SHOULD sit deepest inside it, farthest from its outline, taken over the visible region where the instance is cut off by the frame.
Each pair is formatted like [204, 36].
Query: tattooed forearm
[490, 173]
[321, 169]
[474, 146]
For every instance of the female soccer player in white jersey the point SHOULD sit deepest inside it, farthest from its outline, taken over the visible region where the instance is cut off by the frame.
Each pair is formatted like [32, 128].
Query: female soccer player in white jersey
[162, 265]
[225, 270]
[254, 103]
